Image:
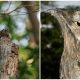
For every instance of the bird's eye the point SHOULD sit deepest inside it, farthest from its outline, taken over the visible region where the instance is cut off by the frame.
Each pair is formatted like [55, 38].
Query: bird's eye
[77, 23]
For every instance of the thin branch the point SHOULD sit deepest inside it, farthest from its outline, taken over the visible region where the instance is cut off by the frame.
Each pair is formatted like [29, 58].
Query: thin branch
[8, 6]
[21, 13]
[24, 13]
[14, 9]
[36, 10]
[20, 6]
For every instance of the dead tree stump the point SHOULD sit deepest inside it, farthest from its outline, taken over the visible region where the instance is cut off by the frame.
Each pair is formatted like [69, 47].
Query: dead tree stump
[8, 56]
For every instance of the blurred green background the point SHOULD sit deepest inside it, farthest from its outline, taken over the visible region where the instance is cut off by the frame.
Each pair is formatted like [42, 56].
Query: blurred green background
[19, 26]
[51, 47]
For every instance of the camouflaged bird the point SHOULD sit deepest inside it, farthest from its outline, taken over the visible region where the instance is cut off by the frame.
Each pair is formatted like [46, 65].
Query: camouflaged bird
[70, 27]
[8, 56]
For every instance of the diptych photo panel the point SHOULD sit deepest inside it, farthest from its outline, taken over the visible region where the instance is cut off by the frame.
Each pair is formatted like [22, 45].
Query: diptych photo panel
[19, 39]
[40, 39]
[60, 39]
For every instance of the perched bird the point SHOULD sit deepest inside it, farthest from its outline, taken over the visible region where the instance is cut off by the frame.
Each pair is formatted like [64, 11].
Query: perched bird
[8, 56]
[69, 21]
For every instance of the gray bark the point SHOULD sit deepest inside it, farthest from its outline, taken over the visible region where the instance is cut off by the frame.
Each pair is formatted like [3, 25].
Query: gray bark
[8, 57]
[70, 59]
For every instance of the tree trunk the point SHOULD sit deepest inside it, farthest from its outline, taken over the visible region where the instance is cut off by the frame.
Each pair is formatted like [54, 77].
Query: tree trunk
[8, 57]
[70, 59]
[33, 18]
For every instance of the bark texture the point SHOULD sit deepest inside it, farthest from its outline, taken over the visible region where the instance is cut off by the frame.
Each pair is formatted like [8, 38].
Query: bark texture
[33, 18]
[70, 59]
[8, 56]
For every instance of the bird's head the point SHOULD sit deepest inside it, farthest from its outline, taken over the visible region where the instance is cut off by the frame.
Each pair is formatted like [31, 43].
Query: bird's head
[68, 18]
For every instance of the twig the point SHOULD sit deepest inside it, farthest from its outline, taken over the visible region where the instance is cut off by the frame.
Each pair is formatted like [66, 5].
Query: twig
[8, 6]
[14, 9]
[20, 6]
[24, 13]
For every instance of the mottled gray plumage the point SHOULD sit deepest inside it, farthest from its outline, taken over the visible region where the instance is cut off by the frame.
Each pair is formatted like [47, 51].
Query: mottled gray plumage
[70, 26]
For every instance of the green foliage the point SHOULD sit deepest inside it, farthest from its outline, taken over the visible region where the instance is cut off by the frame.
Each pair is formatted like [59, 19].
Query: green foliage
[27, 65]
[10, 24]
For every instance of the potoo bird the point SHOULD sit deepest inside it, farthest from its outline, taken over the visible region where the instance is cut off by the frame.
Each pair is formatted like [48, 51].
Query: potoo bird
[69, 21]
[8, 56]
